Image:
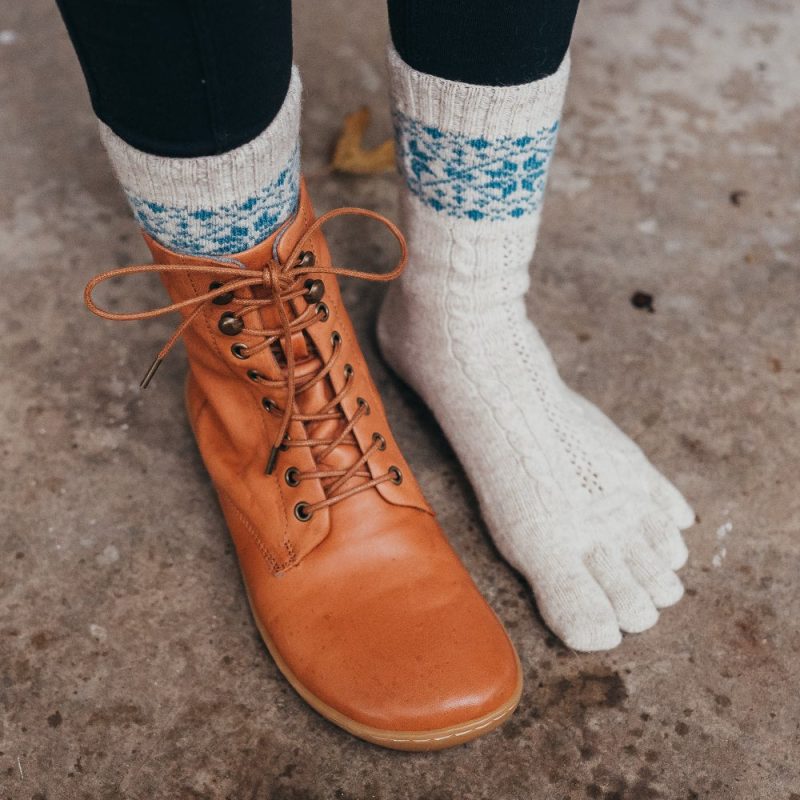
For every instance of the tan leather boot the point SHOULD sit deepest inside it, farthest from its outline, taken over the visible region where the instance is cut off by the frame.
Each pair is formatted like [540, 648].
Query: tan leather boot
[359, 598]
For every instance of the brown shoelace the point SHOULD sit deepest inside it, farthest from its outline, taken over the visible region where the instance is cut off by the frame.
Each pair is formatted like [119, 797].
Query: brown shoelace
[283, 283]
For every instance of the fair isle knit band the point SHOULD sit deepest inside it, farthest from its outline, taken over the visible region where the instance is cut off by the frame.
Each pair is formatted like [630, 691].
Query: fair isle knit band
[475, 152]
[219, 204]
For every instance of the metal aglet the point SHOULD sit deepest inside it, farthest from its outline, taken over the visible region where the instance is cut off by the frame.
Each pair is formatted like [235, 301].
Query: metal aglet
[150, 372]
[273, 458]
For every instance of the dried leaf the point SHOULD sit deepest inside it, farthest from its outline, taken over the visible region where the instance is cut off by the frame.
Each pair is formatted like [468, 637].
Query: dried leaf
[349, 154]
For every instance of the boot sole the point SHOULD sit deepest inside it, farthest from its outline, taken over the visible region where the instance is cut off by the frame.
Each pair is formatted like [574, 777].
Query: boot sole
[436, 739]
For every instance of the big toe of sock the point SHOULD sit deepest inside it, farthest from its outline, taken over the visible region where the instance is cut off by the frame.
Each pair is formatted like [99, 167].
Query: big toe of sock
[577, 610]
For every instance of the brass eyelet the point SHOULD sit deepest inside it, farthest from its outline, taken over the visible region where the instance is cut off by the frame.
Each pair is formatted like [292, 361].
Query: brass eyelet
[268, 405]
[290, 476]
[363, 404]
[379, 440]
[348, 370]
[306, 259]
[254, 375]
[239, 349]
[302, 513]
[324, 311]
[336, 338]
[223, 299]
[230, 324]
[315, 290]
[397, 475]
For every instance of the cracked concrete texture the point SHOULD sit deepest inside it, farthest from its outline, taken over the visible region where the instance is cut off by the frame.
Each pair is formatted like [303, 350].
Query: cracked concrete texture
[129, 666]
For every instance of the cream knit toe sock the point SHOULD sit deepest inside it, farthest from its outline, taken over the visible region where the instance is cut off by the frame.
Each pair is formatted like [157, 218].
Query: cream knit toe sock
[570, 501]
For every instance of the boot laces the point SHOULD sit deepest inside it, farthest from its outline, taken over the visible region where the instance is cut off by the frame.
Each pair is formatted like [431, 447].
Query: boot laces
[282, 284]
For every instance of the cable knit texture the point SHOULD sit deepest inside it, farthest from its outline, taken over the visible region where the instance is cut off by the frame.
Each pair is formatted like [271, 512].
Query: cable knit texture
[570, 501]
[216, 204]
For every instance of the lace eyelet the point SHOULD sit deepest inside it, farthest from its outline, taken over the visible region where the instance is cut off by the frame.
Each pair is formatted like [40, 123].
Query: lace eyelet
[268, 405]
[348, 370]
[363, 404]
[223, 299]
[324, 311]
[397, 475]
[254, 375]
[379, 440]
[239, 349]
[336, 338]
[230, 324]
[290, 476]
[302, 513]
[315, 290]
[306, 259]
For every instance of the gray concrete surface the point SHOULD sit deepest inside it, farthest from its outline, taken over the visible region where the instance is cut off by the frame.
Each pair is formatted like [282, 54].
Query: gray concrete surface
[129, 667]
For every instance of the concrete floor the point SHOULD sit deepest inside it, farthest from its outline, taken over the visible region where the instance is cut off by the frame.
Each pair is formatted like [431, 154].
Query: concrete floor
[129, 665]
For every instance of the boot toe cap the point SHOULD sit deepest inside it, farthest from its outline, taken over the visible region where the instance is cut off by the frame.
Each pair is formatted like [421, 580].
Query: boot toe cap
[399, 639]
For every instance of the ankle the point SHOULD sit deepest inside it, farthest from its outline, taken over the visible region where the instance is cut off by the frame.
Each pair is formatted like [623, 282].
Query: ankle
[221, 204]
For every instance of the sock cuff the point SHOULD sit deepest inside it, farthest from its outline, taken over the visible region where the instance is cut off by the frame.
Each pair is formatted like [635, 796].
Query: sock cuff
[487, 111]
[475, 153]
[215, 181]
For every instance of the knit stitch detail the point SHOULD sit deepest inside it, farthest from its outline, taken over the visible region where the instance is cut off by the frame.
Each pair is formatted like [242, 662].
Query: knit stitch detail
[222, 229]
[220, 204]
[475, 177]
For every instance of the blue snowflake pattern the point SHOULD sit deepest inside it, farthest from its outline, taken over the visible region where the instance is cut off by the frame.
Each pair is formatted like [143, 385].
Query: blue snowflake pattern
[224, 229]
[471, 177]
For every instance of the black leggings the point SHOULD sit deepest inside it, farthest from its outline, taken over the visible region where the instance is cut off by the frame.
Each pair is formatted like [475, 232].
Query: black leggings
[199, 77]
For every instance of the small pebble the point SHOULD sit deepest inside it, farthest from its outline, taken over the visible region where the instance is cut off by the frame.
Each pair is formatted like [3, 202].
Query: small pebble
[643, 300]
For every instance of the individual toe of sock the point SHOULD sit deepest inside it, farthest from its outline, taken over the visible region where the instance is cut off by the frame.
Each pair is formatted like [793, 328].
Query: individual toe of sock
[577, 610]
[666, 540]
[662, 584]
[633, 606]
[671, 501]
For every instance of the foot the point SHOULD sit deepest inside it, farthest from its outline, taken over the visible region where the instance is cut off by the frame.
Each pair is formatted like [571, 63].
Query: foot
[570, 501]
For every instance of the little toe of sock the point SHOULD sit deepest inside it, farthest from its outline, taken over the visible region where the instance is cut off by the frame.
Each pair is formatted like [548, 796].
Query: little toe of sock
[577, 610]
[632, 604]
[666, 540]
[661, 583]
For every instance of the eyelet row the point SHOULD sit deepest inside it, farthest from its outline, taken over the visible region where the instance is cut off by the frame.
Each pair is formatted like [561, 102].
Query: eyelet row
[301, 511]
[230, 325]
